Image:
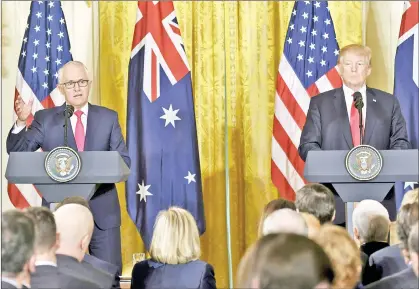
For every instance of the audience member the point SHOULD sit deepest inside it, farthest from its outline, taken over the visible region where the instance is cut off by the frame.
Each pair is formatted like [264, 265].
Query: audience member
[75, 226]
[286, 261]
[406, 225]
[17, 246]
[390, 260]
[313, 224]
[47, 242]
[175, 251]
[344, 254]
[318, 200]
[414, 248]
[371, 226]
[90, 259]
[285, 221]
[272, 206]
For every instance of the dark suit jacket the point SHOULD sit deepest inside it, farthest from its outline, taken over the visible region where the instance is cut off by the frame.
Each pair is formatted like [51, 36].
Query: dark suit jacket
[195, 274]
[327, 127]
[104, 266]
[405, 279]
[49, 277]
[103, 134]
[71, 266]
[369, 273]
[387, 261]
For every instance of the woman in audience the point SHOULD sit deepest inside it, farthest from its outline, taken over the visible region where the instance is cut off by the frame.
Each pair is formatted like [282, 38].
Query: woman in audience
[344, 255]
[272, 206]
[174, 251]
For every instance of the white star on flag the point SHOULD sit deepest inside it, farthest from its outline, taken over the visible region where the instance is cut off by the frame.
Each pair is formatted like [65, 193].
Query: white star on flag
[170, 116]
[37, 28]
[143, 192]
[61, 34]
[39, 15]
[190, 177]
[45, 85]
[50, 17]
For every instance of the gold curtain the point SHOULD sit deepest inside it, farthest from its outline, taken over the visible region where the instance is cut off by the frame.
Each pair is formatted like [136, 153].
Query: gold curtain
[233, 49]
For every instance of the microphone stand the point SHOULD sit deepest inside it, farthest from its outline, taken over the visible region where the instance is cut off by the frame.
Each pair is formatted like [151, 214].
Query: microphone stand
[65, 126]
[361, 125]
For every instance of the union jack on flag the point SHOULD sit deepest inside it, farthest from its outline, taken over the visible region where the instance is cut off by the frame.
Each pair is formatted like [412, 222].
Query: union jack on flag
[161, 129]
[45, 49]
[307, 68]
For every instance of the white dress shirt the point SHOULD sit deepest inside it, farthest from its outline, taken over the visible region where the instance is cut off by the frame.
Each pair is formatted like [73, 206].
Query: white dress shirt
[349, 99]
[45, 263]
[10, 281]
[73, 120]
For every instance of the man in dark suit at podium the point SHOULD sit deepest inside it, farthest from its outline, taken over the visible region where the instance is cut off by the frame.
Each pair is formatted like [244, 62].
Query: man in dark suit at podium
[333, 121]
[93, 128]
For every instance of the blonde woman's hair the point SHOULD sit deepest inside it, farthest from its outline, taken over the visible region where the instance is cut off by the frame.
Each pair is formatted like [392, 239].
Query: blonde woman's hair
[410, 197]
[175, 238]
[343, 253]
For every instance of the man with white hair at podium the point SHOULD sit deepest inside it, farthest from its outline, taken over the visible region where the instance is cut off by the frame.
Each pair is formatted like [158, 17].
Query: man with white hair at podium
[91, 128]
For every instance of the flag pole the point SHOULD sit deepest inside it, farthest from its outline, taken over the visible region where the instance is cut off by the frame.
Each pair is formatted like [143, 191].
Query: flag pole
[227, 174]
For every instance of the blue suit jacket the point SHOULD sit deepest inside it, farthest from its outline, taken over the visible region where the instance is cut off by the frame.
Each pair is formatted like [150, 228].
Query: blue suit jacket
[150, 274]
[327, 124]
[405, 279]
[387, 261]
[103, 134]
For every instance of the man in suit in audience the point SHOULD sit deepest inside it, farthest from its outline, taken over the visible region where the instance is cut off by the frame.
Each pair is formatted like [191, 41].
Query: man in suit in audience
[332, 121]
[90, 259]
[318, 200]
[75, 226]
[407, 278]
[47, 241]
[17, 246]
[91, 128]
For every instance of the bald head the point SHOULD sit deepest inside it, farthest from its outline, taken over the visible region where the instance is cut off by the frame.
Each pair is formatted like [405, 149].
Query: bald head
[75, 225]
[285, 221]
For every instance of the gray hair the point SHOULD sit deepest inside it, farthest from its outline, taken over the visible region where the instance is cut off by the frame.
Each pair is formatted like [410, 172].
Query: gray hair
[285, 221]
[78, 63]
[372, 221]
[17, 241]
[413, 239]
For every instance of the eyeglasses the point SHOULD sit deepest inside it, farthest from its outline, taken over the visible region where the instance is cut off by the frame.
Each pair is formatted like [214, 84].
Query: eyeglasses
[72, 84]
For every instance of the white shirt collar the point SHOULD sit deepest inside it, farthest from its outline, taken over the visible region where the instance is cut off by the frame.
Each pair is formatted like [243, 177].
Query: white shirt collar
[10, 281]
[84, 109]
[348, 91]
[45, 263]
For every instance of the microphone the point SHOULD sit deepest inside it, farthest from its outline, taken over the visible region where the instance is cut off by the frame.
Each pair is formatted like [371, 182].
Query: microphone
[68, 112]
[359, 104]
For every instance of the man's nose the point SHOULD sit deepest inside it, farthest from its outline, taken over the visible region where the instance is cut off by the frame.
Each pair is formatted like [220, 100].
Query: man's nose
[354, 68]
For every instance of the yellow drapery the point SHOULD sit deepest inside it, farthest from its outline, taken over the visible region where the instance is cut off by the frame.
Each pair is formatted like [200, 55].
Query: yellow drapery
[233, 48]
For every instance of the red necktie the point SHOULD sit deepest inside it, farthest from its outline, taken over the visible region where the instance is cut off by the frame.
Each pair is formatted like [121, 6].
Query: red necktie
[79, 135]
[354, 122]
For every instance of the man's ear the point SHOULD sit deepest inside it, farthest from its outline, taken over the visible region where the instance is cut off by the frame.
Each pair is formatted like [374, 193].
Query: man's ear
[334, 216]
[85, 241]
[57, 241]
[356, 233]
[30, 265]
[406, 256]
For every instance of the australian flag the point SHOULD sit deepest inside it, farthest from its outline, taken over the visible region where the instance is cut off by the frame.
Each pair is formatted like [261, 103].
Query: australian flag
[161, 129]
[406, 79]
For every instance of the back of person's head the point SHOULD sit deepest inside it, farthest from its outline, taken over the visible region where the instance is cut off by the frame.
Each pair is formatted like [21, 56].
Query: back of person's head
[73, 200]
[17, 243]
[318, 200]
[410, 197]
[406, 218]
[290, 261]
[371, 222]
[285, 221]
[344, 254]
[313, 224]
[272, 206]
[45, 229]
[175, 237]
[75, 226]
[414, 248]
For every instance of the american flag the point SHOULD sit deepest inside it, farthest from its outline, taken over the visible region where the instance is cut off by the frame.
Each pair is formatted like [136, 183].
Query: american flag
[45, 49]
[406, 79]
[161, 129]
[307, 68]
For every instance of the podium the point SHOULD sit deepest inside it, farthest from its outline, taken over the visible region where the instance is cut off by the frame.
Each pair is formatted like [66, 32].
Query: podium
[329, 167]
[97, 167]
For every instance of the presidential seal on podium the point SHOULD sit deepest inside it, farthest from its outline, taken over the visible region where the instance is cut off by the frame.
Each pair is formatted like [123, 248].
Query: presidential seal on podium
[364, 162]
[62, 164]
